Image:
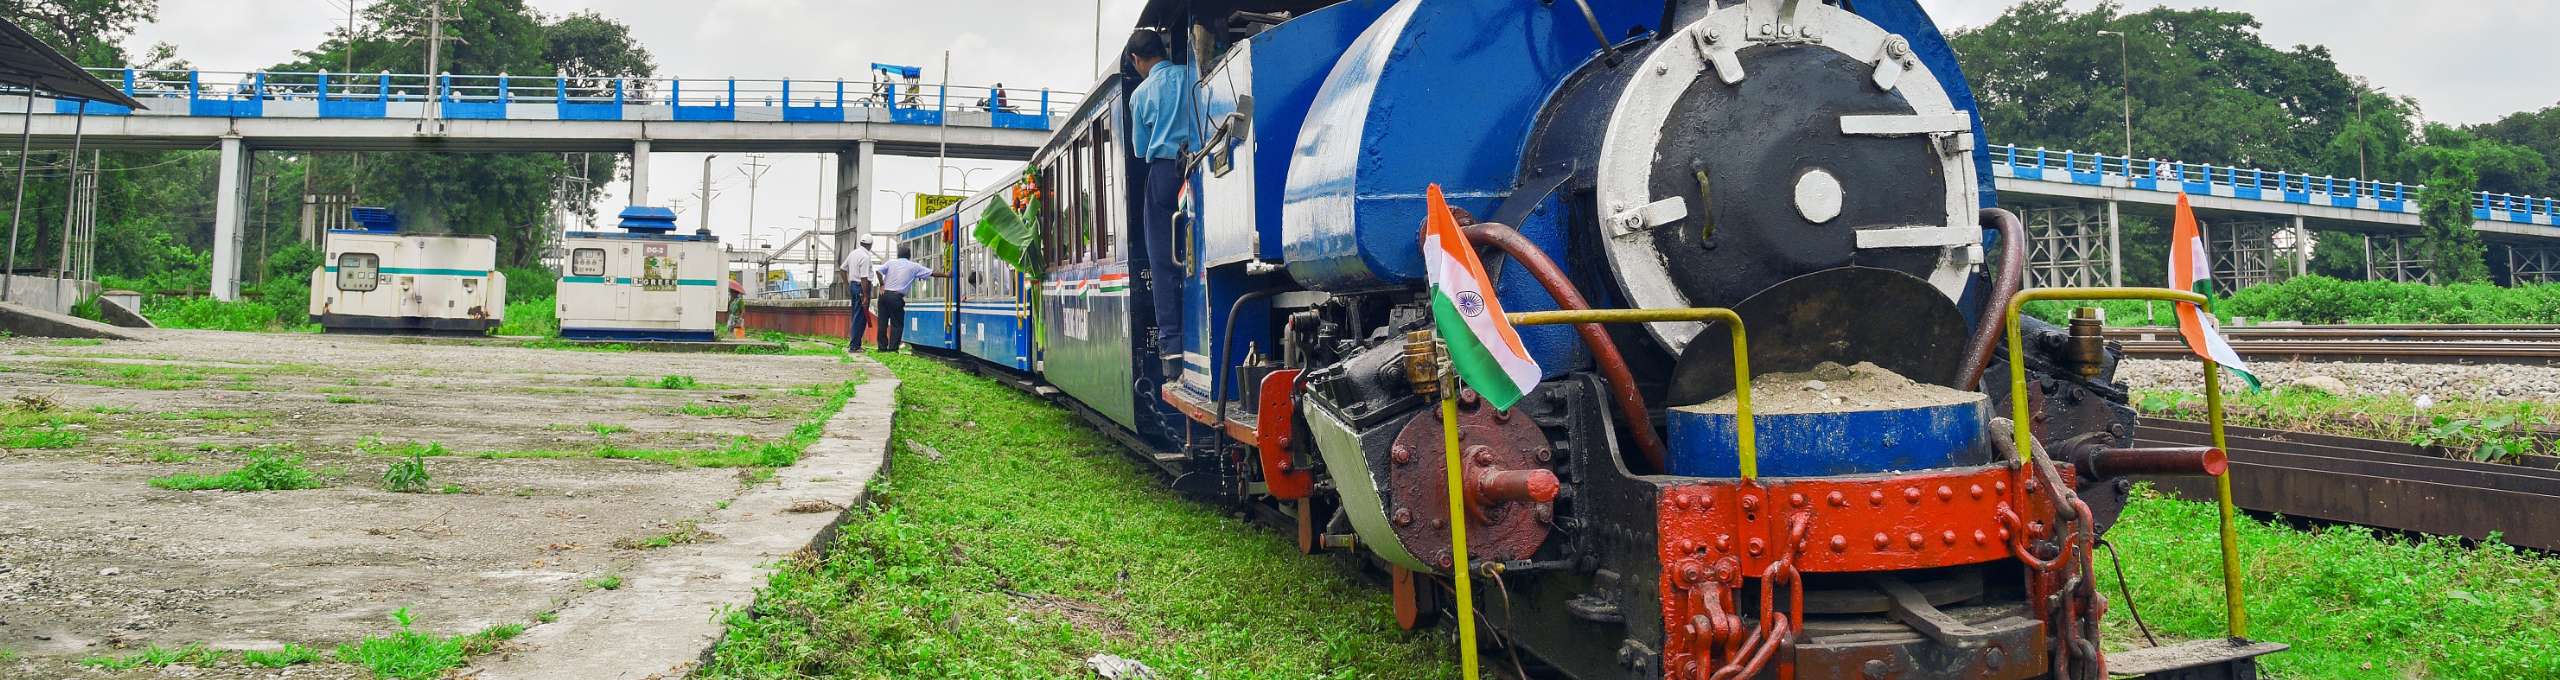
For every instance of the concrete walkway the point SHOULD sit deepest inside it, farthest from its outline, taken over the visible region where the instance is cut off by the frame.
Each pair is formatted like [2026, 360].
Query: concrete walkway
[668, 613]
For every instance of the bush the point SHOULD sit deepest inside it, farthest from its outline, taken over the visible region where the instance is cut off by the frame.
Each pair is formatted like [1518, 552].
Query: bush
[528, 284]
[211, 314]
[538, 317]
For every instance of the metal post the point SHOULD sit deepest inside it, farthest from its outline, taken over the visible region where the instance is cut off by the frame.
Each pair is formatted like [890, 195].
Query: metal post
[2115, 247]
[26, 139]
[70, 197]
[942, 116]
[2368, 257]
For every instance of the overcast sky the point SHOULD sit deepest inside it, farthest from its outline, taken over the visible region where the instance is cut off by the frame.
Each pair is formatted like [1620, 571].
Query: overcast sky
[2465, 62]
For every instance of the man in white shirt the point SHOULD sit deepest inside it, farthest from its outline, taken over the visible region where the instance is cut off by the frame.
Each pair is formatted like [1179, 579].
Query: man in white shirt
[896, 276]
[861, 276]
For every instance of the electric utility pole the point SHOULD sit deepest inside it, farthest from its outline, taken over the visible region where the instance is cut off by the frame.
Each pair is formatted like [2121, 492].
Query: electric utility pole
[754, 170]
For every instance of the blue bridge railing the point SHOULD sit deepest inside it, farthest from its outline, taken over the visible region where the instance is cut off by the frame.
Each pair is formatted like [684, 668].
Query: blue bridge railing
[2152, 174]
[259, 94]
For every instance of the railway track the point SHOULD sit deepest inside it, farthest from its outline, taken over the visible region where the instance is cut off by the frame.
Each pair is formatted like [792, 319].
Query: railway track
[2382, 484]
[2532, 345]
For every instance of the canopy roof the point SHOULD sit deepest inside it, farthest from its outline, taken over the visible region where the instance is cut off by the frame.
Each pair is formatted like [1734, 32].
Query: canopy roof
[26, 61]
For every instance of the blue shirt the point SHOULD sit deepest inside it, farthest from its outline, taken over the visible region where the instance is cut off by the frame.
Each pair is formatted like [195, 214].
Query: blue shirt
[900, 273]
[1160, 113]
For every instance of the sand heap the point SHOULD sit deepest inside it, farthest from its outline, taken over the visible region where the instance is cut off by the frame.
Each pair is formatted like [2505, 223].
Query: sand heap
[1832, 388]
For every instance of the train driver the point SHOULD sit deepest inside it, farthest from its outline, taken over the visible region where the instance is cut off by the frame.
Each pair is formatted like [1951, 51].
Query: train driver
[1161, 128]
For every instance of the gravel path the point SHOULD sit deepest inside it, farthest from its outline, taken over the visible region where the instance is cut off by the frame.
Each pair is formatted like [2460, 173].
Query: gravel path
[2441, 381]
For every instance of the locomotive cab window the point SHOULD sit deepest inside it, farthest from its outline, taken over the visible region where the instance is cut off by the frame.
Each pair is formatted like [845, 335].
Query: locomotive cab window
[586, 262]
[359, 271]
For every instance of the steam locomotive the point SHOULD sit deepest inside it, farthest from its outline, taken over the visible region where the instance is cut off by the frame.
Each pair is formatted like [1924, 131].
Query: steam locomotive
[1815, 166]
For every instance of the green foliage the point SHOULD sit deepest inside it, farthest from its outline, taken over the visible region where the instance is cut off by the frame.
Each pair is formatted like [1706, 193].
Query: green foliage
[2492, 439]
[288, 655]
[2452, 164]
[606, 582]
[155, 656]
[406, 475]
[670, 382]
[530, 283]
[407, 654]
[2323, 300]
[1034, 543]
[206, 313]
[267, 470]
[88, 308]
[2351, 602]
[537, 317]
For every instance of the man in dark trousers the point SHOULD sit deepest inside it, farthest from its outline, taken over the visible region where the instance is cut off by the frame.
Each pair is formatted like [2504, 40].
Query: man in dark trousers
[896, 276]
[861, 275]
[1161, 130]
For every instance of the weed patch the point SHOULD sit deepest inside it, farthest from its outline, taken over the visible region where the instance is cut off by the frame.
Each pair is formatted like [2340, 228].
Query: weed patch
[686, 532]
[267, 470]
[406, 475]
[156, 656]
[78, 342]
[351, 399]
[608, 581]
[289, 655]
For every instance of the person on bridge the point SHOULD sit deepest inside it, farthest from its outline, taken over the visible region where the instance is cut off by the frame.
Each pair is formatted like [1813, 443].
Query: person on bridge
[896, 276]
[861, 275]
[1162, 130]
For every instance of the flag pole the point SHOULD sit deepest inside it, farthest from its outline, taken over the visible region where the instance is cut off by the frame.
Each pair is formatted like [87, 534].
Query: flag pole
[1459, 562]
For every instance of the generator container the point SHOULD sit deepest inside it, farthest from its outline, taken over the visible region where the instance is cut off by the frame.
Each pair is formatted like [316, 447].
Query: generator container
[646, 282]
[377, 279]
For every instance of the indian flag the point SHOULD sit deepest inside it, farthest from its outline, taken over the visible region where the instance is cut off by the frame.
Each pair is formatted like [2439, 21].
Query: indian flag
[1482, 346]
[2190, 269]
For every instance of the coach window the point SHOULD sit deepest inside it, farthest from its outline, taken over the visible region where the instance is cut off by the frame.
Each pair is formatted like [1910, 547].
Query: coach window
[359, 271]
[1102, 173]
[1085, 154]
[1045, 188]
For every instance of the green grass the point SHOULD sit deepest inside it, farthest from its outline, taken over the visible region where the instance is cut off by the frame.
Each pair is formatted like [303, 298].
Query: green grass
[670, 382]
[48, 437]
[606, 582]
[607, 429]
[156, 656]
[163, 454]
[538, 317]
[686, 532]
[236, 315]
[1036, 543]
[267, 470]
[2324, 300]
[740, 452]
[2350, 602]
[289, 655]
[347, 399]
[717, 410]
[2480, 430]
[78, 342]
[407, 654]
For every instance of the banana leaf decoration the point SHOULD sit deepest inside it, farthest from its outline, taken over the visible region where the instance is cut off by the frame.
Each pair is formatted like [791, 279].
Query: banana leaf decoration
[1010, 229]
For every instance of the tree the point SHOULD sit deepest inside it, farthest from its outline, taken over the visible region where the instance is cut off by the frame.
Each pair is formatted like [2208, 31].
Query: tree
[92, 32]
[2538, 131]
[2452, 164]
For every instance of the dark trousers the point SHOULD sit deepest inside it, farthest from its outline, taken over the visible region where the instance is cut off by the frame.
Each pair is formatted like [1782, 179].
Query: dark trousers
[1164, 181]
[893, 320]
[861, 316]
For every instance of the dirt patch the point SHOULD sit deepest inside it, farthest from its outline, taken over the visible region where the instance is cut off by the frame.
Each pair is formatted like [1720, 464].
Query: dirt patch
[521, 509]
[1831, 387]
[1082, 616]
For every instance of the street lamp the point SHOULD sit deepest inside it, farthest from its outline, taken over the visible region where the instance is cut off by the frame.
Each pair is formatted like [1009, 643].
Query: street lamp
[2124, 72]
[964, 175]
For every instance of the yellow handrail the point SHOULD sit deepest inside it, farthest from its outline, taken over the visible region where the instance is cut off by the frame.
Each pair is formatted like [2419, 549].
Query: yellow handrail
[1746, 446]
[2239, 614]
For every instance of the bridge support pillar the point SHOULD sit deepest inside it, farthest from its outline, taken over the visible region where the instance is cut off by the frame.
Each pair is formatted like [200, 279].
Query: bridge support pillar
[853, 190]
[2068, 244]
[639, 172]
[228, 203]
[2395, 258]
[2115, 245]
[2531, 265]
[2301, 247]
[2245, 254]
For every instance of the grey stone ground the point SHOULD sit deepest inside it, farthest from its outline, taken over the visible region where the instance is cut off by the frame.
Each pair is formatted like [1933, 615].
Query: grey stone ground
[2441, 381]
[95, 561]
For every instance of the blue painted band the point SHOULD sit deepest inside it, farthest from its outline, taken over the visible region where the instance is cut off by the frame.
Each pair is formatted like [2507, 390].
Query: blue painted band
[1836, 443]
